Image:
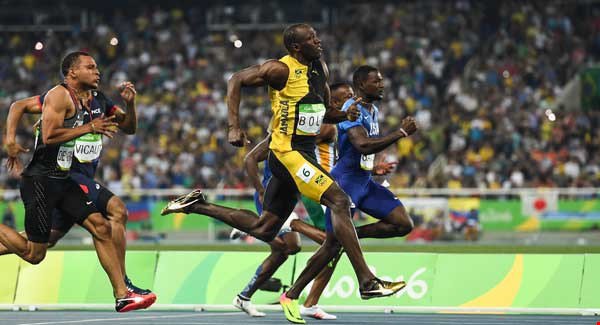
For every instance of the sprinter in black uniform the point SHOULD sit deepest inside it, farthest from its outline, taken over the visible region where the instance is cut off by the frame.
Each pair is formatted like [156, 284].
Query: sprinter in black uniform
[88, 149]
[46, 185]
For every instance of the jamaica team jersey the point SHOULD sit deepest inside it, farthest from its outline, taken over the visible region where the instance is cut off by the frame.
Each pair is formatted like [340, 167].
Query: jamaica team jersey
[298, 109]
[350, 160]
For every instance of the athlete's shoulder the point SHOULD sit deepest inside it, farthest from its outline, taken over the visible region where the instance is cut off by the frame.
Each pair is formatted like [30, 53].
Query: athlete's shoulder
[276, 72]
[57, 92]
[286, 59]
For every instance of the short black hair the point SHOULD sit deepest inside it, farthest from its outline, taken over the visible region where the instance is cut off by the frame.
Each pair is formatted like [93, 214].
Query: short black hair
[361, 74]
[337, 85]
[70, 60]
[290, 35]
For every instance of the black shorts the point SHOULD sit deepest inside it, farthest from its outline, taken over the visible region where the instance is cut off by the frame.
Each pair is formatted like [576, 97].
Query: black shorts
[97, 193]
[41, 195]
[281, 194]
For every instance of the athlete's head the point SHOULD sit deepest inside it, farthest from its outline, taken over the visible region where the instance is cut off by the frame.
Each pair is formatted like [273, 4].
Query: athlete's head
[340, 93]
[368, 82]
[80, 67]
[302, 39]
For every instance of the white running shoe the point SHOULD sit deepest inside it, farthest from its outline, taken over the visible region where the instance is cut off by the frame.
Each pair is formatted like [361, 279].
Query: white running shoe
[316, 312]
[287, 225]
[236, 234]
[247, 307]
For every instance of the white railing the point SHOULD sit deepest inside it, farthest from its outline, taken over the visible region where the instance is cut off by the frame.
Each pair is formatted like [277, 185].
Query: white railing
[445, 192]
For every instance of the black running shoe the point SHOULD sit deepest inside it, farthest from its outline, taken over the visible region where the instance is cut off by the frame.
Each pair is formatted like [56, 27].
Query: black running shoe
[135, 289]
[181, 203]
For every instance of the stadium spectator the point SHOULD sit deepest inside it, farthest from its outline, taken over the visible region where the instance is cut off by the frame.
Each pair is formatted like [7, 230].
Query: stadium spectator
[479, 76]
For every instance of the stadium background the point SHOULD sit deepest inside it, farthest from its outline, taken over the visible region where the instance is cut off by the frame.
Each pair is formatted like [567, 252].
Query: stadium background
[506, 94]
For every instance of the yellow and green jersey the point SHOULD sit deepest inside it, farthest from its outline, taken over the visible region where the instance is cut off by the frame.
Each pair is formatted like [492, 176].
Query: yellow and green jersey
[299, 108]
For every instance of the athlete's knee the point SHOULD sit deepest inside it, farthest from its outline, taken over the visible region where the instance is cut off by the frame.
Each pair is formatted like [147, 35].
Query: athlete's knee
[406, 226]
[118, 213]
[333, 246]
[409, 225]
[279, 250]
[267, 232]
[265, 235]
[278, 245]
[341, 202]
[34, 258]
[55, 236]
[102, 230]
[293, 249]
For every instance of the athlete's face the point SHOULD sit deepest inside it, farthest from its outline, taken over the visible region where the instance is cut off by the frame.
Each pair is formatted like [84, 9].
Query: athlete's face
[373, 86]
[309, 44]
[85, 71]
[341, 95]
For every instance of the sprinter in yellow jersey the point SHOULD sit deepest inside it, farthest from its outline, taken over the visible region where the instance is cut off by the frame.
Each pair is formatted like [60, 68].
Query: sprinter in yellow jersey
[300, 103]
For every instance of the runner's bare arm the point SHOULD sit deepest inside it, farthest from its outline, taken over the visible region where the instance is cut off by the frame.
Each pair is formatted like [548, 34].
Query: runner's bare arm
[272, 73]
[259, 153]
[127, 119]
[17, 109]
[56, 105]
[360, 139]
[326, 134]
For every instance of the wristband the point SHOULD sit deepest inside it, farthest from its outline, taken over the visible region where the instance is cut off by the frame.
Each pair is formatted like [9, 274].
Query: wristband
[403, 132]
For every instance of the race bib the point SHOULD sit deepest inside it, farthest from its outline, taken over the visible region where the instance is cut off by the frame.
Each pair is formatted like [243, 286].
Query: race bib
[88, 147]
[367, 161]
[64, 158]
[306, 172]
[310, 118]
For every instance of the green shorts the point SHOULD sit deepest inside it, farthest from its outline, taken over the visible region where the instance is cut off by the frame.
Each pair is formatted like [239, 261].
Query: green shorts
[315, 212]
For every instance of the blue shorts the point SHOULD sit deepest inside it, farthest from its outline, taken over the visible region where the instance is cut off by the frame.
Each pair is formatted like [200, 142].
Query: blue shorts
[97, 193]
[367, 196]
[257, 204]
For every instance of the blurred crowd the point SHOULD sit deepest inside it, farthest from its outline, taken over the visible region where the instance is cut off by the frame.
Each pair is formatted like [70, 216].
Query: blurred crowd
[482, 78]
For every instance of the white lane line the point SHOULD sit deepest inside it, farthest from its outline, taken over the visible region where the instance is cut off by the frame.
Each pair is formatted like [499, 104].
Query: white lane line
[133, 318]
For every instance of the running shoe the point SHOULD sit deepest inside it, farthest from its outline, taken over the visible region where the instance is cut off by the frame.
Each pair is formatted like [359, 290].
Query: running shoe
[287, 225]
[246, 306]
[135, 289]
[134, 302]
[182, 202]
[291, 309]
[236, 234]
[378, 288]
[316, 312]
